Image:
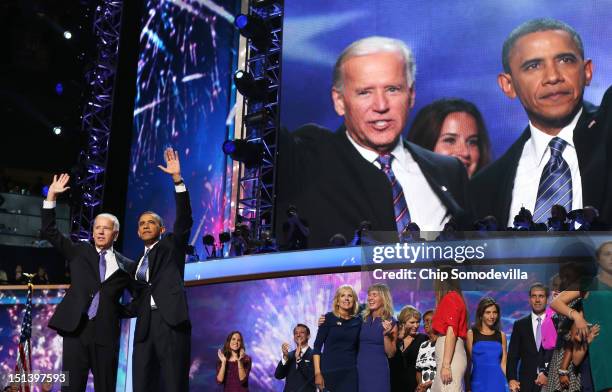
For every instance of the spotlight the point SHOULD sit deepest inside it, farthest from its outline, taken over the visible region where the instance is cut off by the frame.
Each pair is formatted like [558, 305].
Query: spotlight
[57, 130]
[59, 88]
[67, 34]
[250, 154]
[248, 86]
[253, 27]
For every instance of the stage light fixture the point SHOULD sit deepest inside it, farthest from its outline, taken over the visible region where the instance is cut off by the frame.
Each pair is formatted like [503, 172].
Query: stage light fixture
[67, 34]
[57, 130]
[253, 27]
[258, 118]
[250, 154]
[59, 88]
[248, 86]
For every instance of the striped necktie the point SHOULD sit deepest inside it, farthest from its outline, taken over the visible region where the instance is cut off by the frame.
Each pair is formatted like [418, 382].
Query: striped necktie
[95, 302]
[402, 215]
[141, 274]
[555, 183]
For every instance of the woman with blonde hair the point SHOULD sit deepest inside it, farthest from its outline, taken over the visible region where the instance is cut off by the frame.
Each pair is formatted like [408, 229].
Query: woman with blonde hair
[403, 365]
[376, 340]
[450, 323]
[335, 348]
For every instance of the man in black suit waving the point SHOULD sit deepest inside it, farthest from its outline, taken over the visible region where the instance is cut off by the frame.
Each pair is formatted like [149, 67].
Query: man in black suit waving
[526, 346]
[162, 339]
[88, 316]
[296, 366]
[560, 158]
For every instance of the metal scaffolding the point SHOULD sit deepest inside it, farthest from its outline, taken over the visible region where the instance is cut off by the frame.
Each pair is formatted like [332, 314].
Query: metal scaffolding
[256, 194]
[88, 189]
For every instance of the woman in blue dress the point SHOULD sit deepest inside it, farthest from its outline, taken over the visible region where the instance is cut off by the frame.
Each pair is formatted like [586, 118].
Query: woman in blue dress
[377, 340]
[486, 345]
[335, 348]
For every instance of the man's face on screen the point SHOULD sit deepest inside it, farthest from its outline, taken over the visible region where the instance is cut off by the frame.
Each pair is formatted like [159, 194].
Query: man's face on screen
[548, 75]
[375, 99]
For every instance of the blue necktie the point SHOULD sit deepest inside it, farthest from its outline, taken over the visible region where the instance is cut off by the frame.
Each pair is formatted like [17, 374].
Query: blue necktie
[402, 215]
[555, 183]
[538, 336]
[95, 302]
[141, 274]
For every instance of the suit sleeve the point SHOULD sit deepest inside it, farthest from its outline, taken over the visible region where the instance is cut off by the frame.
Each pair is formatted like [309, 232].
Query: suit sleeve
[50, 232]
[184, 219]
[282, 370]
[513, 353]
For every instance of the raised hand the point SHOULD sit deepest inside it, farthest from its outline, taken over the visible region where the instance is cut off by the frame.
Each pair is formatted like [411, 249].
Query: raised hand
[221, 356]
[241, 356]
[173, 165]
[285, 350]
[387, 327]
[58, 186]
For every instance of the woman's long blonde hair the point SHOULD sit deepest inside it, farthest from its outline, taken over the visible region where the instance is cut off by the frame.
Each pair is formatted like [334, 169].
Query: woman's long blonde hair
[385, 293]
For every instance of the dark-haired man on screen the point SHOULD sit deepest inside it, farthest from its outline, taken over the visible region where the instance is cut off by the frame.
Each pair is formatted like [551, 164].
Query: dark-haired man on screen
[560, 158]
[162, 339]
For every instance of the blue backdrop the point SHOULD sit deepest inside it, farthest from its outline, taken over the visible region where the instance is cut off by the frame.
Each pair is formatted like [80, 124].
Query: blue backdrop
[457, 45]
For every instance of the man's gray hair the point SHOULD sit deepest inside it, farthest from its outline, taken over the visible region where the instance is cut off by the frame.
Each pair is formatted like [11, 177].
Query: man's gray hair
[533, 26]
[111, 217]
[373, 45]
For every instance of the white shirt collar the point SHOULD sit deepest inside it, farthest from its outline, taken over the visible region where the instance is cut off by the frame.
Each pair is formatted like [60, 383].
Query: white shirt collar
[534, 317]
[109, 250]
[398, 152]
[146, 248]
[539, 140]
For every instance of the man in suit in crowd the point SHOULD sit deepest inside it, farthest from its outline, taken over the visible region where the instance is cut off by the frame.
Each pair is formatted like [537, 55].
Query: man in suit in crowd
[296, 366]
[365, 171]
[560, 158]
[162, 339]
[526, 346]
[88, 316]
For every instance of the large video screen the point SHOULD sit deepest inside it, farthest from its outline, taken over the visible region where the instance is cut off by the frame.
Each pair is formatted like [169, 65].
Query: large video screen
[457, 46]
[183, 98]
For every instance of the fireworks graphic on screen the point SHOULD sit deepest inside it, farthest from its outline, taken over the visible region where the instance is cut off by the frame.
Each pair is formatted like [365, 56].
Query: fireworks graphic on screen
[183, 97]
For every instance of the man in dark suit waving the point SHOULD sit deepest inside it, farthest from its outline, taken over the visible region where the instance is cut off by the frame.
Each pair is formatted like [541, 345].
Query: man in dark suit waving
[162, 339]
[88, 316]
[296, 366]
[526, 346]
[560, 158]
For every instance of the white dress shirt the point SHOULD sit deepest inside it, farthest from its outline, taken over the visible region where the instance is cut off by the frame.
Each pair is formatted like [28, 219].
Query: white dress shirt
[534, 157]
[424, 206]
[111, 260]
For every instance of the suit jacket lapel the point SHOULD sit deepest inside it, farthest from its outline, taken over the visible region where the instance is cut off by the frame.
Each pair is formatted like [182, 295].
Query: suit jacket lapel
[94, 262]
[591, 158]
[531, 337]
[512, 157]
[441, 190]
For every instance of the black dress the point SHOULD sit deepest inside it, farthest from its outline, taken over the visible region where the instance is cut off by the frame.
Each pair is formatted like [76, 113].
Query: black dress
[337, 343]
[403, 365]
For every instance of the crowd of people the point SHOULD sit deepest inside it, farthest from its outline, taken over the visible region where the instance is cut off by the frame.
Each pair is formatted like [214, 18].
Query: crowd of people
[562, 344]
